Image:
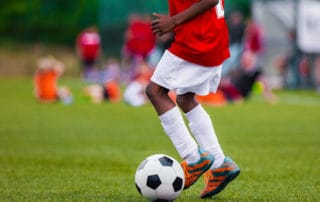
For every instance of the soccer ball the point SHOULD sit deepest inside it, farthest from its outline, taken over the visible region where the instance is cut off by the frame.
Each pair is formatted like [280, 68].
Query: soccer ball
[159, 178]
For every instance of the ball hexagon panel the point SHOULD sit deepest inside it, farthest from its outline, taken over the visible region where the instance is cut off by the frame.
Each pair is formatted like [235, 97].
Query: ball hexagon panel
[153, 181]
[166, 161]
[142, 164]
[178, 184]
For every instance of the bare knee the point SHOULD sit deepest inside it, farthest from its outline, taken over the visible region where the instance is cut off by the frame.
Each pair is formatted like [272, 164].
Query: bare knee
[150, 90]
[187, 101]
[153, 90]
[159, 98]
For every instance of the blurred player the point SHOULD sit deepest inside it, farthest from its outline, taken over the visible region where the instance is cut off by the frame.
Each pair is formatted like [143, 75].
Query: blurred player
[192, 65]
[239, 85]
[88, 50]
[138, 45]
[45, 81]
[134, 93]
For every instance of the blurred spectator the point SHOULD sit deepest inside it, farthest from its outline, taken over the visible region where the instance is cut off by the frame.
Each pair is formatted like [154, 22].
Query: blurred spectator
[139, 42]
[309, 71]
[236, 26]
[98, 93]
[46, 77]
[240, 85]
[111, 71]
[308, 32]
[254, 40]
[139, 39]
[111, 80]
[108, 87]
[297, 68]
[88, 46]
[288, 64]
[317, 73]
[134, 93]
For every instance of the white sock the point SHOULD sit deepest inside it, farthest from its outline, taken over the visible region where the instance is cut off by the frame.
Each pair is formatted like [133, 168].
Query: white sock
[202, 128]
[175, 127]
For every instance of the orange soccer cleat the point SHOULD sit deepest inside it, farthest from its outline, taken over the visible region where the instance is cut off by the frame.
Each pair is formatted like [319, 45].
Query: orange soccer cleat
[216, 180]
[193, 171]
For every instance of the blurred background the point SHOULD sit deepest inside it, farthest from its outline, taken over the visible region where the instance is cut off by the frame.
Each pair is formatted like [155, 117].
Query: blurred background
[283, 34]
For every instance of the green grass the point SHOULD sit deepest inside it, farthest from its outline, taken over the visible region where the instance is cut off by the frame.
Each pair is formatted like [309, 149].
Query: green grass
[87, 152]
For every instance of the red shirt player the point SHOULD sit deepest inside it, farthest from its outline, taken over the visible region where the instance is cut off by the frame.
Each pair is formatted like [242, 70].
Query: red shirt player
[204, 40]
[88, 46]
[192, 66]
[138, 44]
[139, 40]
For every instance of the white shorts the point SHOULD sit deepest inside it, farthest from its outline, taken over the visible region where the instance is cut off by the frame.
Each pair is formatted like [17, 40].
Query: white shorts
[183, 77]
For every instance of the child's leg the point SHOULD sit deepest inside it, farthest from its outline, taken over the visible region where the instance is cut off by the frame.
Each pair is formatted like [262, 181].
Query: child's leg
[174, 126]
[201, 127]
[173, 123]
[196, 162]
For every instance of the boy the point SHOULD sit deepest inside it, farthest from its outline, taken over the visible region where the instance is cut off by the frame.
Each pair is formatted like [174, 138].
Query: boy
[46, 78]
[192, 65]
[88, 48]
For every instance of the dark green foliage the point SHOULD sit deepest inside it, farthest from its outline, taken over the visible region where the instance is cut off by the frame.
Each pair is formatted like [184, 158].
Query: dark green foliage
[59, 21]
[241, 5]
[46, 20]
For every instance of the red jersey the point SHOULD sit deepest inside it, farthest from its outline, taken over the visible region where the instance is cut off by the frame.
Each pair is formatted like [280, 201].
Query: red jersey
[89, 45]
[140, 39]
[202, 40]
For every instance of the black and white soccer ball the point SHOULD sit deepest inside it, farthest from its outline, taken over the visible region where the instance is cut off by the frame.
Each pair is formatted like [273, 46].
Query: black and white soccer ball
[159, 177]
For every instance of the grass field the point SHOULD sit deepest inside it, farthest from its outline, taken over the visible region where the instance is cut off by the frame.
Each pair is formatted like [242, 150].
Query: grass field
[87, 152]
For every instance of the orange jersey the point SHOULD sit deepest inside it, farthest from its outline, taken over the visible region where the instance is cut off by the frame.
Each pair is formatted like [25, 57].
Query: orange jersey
[46, 85]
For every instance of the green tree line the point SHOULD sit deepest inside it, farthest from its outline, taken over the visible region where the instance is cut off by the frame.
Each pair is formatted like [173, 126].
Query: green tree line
[59, 21]
[46, 20]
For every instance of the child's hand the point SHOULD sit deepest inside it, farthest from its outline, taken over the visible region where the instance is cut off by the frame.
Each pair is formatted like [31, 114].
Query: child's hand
[162, 24]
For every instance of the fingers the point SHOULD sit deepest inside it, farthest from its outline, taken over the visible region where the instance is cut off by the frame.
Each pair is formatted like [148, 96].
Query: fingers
[156, 15]
[155, 27]
[157, 31]
[157, 24]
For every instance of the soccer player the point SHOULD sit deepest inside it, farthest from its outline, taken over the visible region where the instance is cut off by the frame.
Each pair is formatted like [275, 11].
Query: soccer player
[46, 77]
[88, 46]
[192, 65]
